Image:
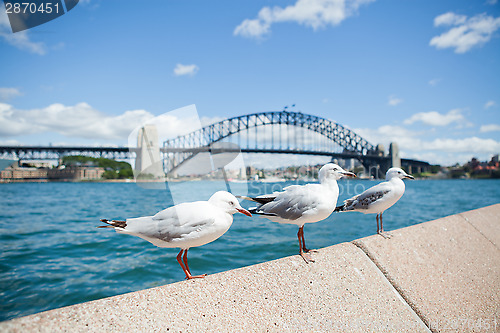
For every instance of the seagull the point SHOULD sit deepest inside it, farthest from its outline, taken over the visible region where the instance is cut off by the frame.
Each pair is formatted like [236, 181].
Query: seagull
[301, 204]
[185, 225]
[378, 198]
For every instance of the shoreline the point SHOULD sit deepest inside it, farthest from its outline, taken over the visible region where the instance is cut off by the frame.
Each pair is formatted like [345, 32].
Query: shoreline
[133, 181]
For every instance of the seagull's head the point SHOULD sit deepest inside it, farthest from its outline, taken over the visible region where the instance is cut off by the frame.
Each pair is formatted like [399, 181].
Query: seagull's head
[397, 173]
[333, 171]
[228, 203]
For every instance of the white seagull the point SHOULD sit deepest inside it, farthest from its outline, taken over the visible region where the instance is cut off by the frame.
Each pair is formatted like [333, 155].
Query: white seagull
[301, 204]
[185, 225]
[378, 198]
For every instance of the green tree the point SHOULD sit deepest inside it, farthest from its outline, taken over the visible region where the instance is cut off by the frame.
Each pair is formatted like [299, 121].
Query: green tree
[114, 169]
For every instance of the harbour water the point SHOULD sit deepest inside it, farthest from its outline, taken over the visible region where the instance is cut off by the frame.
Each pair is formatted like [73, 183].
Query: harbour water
[52, 254]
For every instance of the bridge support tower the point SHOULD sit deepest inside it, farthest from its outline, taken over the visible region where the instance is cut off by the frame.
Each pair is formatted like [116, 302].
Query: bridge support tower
[377, 164]
[148, 162]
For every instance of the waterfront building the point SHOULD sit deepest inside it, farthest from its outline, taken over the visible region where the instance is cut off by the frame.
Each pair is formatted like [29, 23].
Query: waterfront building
[19, 174]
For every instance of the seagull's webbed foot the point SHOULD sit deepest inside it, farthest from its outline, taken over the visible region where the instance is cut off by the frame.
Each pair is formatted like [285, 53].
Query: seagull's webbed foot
[385, 234]
[302, 244]
[307, 258]
[380, 230]
[189, 277]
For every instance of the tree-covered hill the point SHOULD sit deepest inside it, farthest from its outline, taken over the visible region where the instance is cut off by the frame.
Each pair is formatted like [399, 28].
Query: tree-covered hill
[114, 169]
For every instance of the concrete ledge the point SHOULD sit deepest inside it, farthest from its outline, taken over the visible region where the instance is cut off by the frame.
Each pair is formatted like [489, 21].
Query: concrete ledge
[486, 221]
[448, 270]
[438, 276]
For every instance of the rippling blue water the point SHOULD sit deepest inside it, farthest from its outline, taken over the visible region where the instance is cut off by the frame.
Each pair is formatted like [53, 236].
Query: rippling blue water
[53, 255]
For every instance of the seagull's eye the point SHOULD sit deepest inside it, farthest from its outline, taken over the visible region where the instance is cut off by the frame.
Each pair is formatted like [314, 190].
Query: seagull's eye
[231, 203]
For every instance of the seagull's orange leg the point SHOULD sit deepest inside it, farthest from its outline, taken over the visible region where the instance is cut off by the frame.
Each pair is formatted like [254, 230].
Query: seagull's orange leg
[305, 256]
[185, 267]
[381, 231]
[179, 260]
[186, 270]
[185, 259]
[304, 243]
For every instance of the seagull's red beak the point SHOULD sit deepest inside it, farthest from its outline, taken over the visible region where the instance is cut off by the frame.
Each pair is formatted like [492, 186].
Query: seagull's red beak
[244, 211]
[349, 174]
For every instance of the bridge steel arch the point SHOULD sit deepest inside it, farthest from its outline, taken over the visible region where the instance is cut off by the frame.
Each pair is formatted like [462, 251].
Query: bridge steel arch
[187, 146]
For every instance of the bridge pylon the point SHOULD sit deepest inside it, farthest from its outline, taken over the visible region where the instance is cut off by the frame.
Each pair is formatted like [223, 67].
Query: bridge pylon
[377, 164]
[148, 162]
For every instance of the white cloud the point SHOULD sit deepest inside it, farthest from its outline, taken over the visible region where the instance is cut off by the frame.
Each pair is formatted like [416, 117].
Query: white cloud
[489, 128]
[8, 93]
[85, 122]
[465, 33]
[311, 13]
[181, 69]
[489, 104]
[253, 28]
[434, 82]
[444, 151]
[465, 145]
[80, 121]
[21, 40]
[10, 142]
[393, 100]
[434, 118]
[387, 134]
[449, 19]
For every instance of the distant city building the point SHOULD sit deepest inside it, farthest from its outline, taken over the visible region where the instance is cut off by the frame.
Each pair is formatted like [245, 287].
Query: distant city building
[14, 174]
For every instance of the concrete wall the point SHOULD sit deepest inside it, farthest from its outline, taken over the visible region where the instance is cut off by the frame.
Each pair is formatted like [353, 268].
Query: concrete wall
[439, 276]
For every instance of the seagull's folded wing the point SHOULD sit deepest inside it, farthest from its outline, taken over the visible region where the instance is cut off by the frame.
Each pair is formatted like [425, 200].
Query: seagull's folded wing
[293, 203]
[174, 222]
[368, 197]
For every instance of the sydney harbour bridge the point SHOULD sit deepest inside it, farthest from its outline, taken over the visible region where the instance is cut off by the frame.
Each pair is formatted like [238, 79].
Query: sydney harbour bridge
[276, 132]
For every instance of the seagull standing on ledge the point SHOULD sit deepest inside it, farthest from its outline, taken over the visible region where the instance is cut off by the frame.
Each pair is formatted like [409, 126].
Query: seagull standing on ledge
[185, 225]
[301, 204]
[378, 198]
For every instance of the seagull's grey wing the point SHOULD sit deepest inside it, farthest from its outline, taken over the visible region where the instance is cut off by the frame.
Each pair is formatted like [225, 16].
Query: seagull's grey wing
[367, 198]
[293, 203]
[266, 198]
[172, 223]
[171, 230]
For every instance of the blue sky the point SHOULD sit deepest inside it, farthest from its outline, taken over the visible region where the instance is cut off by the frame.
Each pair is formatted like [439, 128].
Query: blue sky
[425, 74]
